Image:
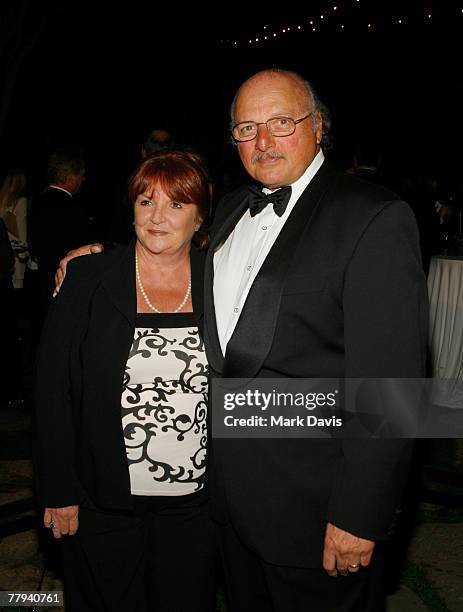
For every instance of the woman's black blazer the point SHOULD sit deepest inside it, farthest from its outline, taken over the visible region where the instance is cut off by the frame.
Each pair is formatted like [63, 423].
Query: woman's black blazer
[79, 372]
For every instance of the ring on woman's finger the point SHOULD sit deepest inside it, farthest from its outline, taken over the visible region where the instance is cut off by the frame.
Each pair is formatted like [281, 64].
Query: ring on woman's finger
[353, 566]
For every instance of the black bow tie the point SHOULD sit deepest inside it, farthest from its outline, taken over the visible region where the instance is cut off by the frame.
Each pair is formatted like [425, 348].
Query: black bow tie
[259, 200]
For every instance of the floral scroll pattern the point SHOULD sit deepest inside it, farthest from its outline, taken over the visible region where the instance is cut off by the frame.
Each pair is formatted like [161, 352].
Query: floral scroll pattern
[164, 410]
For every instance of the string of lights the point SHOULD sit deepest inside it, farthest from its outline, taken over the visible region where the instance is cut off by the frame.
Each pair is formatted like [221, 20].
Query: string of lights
[354, 16]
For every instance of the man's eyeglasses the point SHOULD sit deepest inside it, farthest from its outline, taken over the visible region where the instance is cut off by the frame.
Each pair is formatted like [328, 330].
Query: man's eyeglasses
[277, 126]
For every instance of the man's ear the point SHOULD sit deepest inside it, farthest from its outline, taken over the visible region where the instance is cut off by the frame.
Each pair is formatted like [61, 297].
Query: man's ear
[318, 127]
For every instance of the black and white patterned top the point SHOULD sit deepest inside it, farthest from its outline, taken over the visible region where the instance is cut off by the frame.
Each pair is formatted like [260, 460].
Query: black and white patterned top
[164, 405]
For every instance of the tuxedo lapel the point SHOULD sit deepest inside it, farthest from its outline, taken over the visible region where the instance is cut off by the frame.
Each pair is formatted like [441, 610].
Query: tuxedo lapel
[253, 335]
[226, 220]
[228, 216]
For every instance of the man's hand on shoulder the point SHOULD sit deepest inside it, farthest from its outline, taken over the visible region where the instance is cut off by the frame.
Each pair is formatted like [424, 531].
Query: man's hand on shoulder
[344, 552]
[87, 249]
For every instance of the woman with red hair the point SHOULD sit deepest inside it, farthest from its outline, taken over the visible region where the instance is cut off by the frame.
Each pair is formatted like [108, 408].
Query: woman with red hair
[121, 398]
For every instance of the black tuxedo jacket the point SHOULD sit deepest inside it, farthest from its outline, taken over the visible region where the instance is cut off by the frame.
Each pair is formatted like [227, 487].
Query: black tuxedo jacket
[341, 294]
[80, 367]
[56, 224]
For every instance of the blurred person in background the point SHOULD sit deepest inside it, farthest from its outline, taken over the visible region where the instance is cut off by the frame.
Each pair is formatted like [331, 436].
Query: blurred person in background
[158, 139]
[13, 211]
[57, 222]
[9, 357]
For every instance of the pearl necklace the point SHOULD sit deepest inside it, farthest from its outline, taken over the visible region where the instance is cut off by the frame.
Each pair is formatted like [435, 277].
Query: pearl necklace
[145, 296]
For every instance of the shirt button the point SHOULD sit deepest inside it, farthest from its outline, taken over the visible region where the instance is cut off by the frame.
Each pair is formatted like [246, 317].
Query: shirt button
[236, 309]
[249, 268]
[264, 227]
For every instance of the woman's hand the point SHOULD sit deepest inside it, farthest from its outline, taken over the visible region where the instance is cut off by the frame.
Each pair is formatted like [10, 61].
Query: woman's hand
[62, 521]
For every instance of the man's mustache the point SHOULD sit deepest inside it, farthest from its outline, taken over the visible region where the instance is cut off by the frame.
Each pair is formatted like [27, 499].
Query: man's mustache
[266, 155]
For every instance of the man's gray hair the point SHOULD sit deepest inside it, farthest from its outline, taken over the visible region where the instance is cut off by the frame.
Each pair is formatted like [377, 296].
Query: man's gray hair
[64, 162]
[315, 104]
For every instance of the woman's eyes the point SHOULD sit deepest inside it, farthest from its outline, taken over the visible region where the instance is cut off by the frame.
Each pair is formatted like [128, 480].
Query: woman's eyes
[147, 202]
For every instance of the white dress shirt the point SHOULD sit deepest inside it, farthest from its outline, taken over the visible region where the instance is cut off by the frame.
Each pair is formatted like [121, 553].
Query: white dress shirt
[238, 260]
[60, 189]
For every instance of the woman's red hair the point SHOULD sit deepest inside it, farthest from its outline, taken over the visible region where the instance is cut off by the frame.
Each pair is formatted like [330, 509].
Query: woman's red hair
[182, 175]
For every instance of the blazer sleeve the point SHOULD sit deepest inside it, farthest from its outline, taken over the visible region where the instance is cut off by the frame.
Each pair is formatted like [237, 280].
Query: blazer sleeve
[385, 325]
[56, 392]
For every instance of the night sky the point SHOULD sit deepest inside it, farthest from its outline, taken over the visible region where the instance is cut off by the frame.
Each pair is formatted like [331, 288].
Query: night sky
[102, 80]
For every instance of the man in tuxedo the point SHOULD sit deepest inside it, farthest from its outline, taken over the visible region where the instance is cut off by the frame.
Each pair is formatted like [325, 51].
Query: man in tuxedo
[57, 223]
[329, 286]
[321, 279]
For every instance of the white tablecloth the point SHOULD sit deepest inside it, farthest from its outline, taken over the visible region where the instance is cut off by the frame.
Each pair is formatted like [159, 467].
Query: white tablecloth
[445, 287]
